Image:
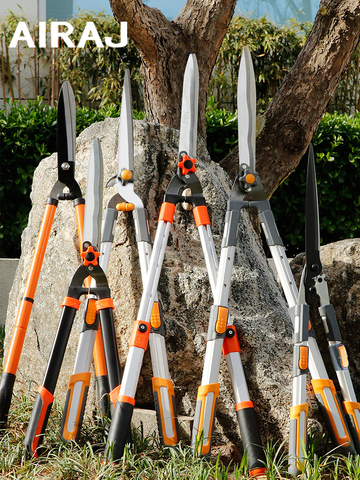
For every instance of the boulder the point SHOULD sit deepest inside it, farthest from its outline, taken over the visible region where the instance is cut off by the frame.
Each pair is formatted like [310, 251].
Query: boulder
[256, 304]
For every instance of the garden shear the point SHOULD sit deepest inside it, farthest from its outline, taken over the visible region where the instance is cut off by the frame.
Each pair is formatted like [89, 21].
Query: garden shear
[65, 188]
[184, 178]
[248, 192]
[222, 335]
[102, 303]
[126, 200]
[314, 289]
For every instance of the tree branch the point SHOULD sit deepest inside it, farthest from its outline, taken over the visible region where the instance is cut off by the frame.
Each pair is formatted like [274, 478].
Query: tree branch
[296, 110]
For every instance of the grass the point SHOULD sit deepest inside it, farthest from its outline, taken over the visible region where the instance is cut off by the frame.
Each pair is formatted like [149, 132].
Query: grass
[147, 460]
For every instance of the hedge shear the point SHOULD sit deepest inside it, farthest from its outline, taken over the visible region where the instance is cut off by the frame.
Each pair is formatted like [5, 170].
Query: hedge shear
[248, 192]
[125, 200]
[184, 178]
[102, 303]
[313, 289]
[65, 188]
[222, 335]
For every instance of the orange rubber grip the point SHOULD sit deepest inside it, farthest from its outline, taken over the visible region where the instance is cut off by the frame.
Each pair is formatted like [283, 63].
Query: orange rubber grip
[295, 413]
[157, 384]
[167, 212]
[71, 302]
[84, 378]
[242, 405]
[104, 303]
[231, 344]
[319, 385]
[201, 216]
[140, 338]
[203, 392]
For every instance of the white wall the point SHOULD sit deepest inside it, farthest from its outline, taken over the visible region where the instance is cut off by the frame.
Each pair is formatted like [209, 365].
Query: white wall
[33, 10]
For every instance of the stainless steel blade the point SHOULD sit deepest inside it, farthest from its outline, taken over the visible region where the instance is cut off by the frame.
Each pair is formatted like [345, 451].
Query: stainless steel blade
[94, 196]
[246, 106]
[126, 144]
[189, 108]
[312, 229]
[66, 132]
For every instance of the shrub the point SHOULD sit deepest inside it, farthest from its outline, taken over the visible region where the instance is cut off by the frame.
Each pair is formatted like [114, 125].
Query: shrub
[337, 149]
[27, 134]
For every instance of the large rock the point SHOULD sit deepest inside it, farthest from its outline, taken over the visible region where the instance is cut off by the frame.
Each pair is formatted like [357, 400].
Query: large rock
[256, 304]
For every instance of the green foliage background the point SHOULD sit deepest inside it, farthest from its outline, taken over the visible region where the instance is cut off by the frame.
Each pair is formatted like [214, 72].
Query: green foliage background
[28, 133]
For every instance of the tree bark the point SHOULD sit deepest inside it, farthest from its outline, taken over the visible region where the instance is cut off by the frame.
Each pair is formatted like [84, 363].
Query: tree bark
[297, 108]
[164, 46]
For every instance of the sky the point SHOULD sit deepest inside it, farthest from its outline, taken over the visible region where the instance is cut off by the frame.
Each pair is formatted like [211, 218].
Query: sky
[277, 10]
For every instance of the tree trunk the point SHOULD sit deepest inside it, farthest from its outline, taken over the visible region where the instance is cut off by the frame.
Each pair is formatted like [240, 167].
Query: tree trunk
[296, 110]
[164, 46]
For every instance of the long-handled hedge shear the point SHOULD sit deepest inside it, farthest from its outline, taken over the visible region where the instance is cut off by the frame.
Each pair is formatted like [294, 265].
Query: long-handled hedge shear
[125, 200]
[185, 178]
[222, 335]
[313, 289]
[249, 193]
[102, 303]
[65, 188]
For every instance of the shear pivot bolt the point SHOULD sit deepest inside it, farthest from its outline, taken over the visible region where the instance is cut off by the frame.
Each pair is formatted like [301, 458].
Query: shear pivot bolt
[142, 327]
[65, 166]
[230, 332]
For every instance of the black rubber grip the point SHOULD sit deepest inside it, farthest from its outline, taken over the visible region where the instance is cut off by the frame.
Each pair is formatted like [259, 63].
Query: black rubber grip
[32, 440]
[6, 389]
[119, 431]
[103, 394]
[251, 438]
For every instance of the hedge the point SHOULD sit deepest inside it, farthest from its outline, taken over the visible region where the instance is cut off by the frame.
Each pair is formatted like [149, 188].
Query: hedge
[27, 134]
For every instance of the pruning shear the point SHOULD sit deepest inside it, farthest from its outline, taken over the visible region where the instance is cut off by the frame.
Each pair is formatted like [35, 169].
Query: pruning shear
[222, 335]
[314, 289]
[102, 304]
[248, 192]
[125, 200]
[184, 178]
[66, 133]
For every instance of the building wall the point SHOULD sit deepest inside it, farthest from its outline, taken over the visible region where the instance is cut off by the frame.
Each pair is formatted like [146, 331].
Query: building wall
[33, 10]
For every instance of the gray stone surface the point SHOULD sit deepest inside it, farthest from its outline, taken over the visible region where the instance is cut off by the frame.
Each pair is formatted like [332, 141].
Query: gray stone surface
[256, 304]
